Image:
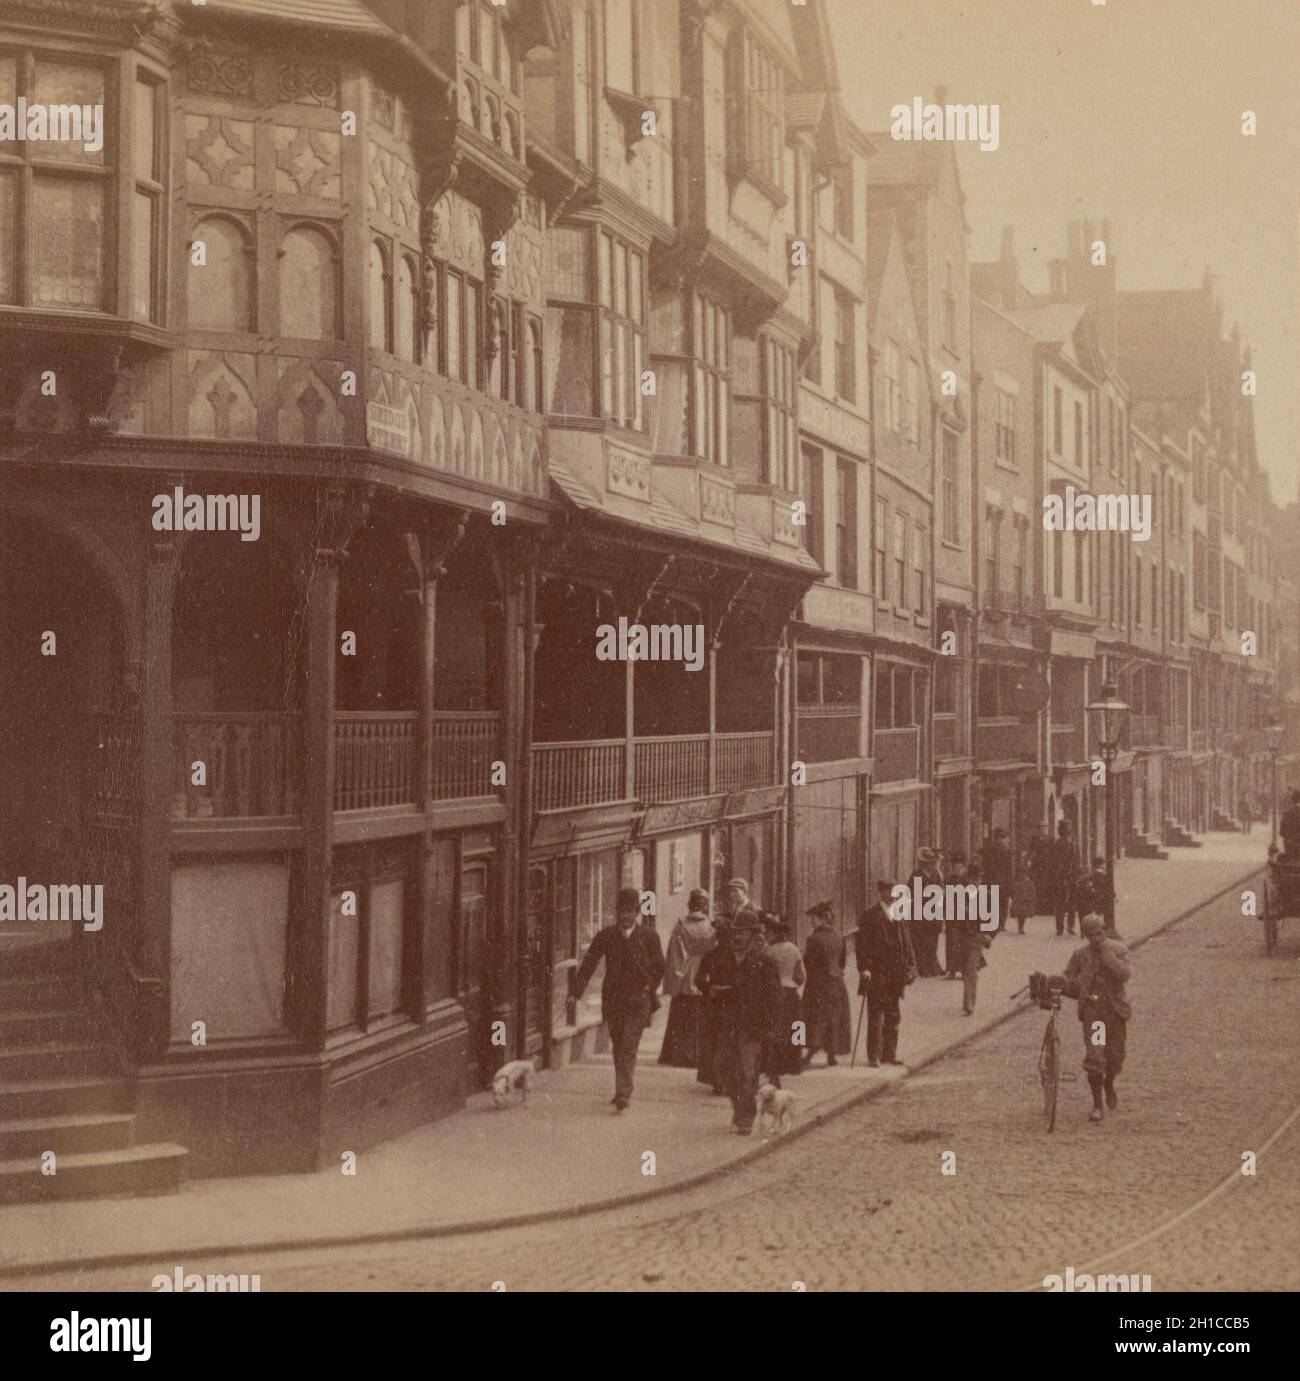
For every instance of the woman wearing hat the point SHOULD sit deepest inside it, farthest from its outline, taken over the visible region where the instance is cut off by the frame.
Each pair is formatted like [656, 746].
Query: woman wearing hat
[784, 953]
[692, 938]
[927, 932]
[825, 999]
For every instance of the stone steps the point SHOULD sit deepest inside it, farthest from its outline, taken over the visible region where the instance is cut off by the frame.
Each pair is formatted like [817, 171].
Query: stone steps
[153, 1169]
[59, 1091]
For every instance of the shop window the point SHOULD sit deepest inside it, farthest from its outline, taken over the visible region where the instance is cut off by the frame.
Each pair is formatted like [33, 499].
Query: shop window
[472, 950]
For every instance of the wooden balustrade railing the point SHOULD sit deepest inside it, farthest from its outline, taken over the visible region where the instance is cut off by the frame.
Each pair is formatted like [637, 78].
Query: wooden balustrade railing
[578, 774]
[744, 761]
[250, 763]
[374, 759]
[672, 768]
[464, 748]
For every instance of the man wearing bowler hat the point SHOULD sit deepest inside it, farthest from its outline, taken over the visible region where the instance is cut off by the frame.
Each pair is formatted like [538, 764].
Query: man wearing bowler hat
[634, 966]
[755, 1013]
[825, 1001]
[886, 965]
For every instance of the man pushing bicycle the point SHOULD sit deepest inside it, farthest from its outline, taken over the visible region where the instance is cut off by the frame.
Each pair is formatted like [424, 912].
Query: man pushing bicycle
[1095, 977]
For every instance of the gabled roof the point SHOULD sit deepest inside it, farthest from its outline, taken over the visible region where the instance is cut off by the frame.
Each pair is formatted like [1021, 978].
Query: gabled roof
[1066, 326]
[885, 244]
[1049, 323]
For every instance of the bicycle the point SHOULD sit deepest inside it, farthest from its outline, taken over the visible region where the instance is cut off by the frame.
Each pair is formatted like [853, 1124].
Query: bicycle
[1048, 998]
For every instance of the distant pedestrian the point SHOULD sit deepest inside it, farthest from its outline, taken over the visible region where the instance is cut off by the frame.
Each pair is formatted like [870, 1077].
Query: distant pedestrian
[825, 1000]
[1064, 879]
[1246, 811]
[784, 953]
[958, 874]
[692, 938]
[996, 870]
[1024, 896]
[756, 1011]
[926, 933]
[1289, 828]
[735, 898]
[1100, 900]
[634, 966]
[886, 965]
[715, 979]
[972, 943]
[1040, 854]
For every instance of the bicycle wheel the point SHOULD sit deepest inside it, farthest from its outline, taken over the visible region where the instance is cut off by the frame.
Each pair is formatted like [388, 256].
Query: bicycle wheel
[1049, 1072]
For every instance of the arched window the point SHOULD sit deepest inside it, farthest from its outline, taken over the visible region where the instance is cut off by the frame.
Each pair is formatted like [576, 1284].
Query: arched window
[377, 290]
[309, 293]
[221, 284]
[408, 309]
[501, 364]
[538, 400]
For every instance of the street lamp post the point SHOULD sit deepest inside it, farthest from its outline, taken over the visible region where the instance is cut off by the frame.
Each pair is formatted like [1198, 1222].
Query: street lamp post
[1274, 734]
[1106, 718]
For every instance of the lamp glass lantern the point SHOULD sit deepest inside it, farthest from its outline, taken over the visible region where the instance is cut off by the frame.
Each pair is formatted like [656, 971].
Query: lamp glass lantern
[1273, 736]
[1107, 717]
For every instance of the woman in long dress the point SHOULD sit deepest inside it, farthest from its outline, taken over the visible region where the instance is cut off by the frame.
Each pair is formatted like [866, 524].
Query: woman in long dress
[692, 938]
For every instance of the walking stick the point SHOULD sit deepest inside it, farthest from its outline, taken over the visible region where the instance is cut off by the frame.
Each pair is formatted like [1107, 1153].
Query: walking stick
[862, 1007]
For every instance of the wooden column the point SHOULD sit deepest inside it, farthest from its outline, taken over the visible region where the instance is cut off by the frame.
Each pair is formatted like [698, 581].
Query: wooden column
[312, 951]
[713, 718]
[629, 729]
[151, 953]
[420, 951]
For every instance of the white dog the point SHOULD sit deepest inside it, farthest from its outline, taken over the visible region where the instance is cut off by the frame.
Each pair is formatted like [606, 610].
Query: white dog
[775, 1109]
[518, 1074]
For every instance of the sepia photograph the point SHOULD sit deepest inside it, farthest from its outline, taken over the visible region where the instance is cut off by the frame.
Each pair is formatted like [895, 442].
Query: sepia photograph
[650, 646]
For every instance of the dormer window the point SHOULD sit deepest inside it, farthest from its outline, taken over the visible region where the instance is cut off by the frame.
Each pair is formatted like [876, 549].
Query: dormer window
[757, 102]
[489, 48]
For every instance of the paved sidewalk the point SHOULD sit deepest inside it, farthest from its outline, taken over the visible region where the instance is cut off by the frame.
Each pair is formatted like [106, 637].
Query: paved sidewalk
[566, 1152]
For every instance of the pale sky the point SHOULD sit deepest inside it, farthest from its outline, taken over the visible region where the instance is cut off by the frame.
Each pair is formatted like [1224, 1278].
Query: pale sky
[1129, 111]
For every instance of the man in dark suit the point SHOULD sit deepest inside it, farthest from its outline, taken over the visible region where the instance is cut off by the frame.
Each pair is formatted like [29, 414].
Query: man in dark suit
[996, 871]
[634, 966]
[883, 950]
[756, 1015]
[1289, 829]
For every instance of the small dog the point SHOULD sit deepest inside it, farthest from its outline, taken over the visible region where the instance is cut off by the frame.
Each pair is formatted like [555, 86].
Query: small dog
[775, 1109]
[517, 1075]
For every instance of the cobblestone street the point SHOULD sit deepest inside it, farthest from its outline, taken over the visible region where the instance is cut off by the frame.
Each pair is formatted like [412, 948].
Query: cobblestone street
[862, 1203]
